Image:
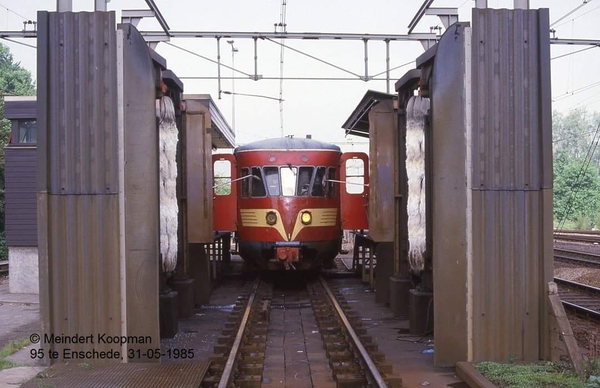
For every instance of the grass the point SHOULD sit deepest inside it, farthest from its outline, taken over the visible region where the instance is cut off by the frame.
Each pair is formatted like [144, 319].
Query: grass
[10, 349]
[544, 374]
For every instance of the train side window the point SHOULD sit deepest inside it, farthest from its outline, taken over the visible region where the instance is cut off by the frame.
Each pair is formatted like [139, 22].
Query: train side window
[304, 177]
[245, 182]
[320, 183]
[272, 179]
[355, 176]
[222, 177]
[330, 183]
[288, 180]
[257, 185]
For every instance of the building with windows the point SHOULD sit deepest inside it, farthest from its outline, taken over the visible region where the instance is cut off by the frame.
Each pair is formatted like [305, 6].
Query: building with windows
[20, 223]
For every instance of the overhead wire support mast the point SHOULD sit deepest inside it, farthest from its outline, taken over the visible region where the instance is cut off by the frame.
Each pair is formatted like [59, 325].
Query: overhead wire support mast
[282, 29]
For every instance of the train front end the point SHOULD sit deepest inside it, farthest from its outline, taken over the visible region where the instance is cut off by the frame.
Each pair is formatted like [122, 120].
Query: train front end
[288, 203]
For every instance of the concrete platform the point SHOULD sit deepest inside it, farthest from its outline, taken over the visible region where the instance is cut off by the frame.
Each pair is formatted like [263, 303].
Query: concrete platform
[19, 318]
[405, 352]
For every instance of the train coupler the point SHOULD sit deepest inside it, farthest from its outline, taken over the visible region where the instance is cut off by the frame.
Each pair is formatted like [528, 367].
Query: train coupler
[288, 265]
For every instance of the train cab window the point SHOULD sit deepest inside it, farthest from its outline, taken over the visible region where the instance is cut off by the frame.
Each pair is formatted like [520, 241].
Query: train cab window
[245, 182]
[330, 182]
[305, 175]
[272, 180]
[288, 180]
[320, 183]
[355, 176]
[222, 177]
[257, 185]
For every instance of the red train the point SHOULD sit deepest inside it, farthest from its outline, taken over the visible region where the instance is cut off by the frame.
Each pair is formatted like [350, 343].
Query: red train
[290, 199]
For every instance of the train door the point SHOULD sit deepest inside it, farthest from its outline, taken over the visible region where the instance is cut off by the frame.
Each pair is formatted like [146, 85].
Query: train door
[224, 193]
[354, 190]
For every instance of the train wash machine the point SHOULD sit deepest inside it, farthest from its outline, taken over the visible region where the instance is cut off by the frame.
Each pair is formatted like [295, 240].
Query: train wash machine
[485, 169]
[411, 289]
[175, 286]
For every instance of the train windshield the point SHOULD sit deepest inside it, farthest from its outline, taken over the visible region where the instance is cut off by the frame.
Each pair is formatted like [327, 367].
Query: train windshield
[288, 181]
[272, 180]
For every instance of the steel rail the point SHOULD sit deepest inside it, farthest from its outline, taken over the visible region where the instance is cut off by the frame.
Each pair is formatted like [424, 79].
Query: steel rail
[593, 263]
[566, 251]
[575, 231]
[580, 286]
[580, 238]
[575, 307]
[228, 370]
[371, 367]
[585, 288]
[4, 266]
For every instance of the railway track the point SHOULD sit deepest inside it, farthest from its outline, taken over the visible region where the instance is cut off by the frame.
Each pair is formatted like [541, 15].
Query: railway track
[577, 257]
[4, 267]
[578, 236]
[580, 298]
[263, 341]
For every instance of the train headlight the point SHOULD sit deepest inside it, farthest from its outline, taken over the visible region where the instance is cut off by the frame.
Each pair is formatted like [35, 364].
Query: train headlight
[271, 218]
[306, 218]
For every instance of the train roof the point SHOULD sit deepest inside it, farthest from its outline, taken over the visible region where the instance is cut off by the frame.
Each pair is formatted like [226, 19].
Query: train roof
[287, 143]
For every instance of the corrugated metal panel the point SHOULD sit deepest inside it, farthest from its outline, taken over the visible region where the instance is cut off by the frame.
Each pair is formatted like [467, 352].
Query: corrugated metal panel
[506, 274]
[77, 177]
[85, 268]
[95, 267]
[506, 91]
[81, 91]
[382, 140]
[511, 168]
[20, 196]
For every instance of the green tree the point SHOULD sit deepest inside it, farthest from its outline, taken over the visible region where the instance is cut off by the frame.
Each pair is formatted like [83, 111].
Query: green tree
[573, 133]
[576, 191]
[14, 81]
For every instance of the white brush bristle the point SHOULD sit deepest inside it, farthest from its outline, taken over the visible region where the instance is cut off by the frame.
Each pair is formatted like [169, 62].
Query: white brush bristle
[417, 109]
[168, 139]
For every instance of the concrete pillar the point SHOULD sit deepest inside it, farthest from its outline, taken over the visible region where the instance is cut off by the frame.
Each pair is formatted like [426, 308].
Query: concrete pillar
[399, 295]
[420, 314]
[200, 272]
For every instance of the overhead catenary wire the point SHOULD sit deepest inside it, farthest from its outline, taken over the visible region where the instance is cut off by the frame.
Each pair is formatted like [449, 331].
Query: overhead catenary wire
[585, 2]
[21, 43]
[207, 59]
[582, 89]
[392, 69]
[315, 58]
[16, 13]
[577, 17]
[573, 52]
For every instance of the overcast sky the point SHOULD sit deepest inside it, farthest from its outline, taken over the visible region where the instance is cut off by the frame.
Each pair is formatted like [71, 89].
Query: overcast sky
[318, 107]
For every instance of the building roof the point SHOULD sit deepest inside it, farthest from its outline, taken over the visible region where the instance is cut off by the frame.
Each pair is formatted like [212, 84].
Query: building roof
[222, 134]
[20, 107]
[358, 122]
